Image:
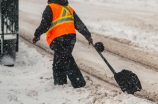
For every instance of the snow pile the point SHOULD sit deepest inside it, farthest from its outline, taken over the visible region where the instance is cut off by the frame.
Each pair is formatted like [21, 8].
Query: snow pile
[30, 82]
[7, 60]
[133, 20]
[120, 30]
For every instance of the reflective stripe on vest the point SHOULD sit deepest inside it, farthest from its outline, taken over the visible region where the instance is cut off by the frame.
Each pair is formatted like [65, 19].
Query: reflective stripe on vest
[60, 21]
[63, 18]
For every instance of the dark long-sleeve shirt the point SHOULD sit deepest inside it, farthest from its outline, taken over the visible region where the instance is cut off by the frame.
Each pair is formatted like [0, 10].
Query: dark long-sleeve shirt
[47, 20]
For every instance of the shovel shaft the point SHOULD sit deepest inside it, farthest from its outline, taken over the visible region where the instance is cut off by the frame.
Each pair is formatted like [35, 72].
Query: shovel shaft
[110, 67]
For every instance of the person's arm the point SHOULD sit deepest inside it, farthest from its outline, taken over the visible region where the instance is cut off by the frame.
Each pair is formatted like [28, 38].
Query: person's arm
[81, 28]
[45, 23]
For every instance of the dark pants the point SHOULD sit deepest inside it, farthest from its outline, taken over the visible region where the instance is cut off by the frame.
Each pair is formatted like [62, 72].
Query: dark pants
[64, 64]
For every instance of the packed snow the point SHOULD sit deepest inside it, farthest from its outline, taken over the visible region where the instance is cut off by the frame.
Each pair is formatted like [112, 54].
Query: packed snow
[7, 60]
[118, 21]
[30, 81]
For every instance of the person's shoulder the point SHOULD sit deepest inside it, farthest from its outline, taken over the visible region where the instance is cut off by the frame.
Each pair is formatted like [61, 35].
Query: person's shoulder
[48, 5]
[48, 9]
[71, 7]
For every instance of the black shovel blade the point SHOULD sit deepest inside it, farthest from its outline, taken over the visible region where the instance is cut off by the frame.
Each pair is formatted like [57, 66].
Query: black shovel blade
[128, 81]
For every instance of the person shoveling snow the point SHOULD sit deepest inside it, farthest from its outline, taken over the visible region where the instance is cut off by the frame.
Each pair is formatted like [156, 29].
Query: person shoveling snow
[59, 22]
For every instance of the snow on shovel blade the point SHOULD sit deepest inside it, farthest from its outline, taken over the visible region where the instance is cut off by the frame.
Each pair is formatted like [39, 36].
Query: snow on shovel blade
[128, 81]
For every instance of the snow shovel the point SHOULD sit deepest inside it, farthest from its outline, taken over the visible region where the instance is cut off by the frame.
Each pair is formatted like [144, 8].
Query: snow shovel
[127, 80]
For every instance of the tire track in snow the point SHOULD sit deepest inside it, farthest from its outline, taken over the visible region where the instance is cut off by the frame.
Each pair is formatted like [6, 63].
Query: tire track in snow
[96, 75]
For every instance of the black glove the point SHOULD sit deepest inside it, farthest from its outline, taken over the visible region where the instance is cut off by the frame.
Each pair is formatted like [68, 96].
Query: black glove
[90, 40]
[35, 39]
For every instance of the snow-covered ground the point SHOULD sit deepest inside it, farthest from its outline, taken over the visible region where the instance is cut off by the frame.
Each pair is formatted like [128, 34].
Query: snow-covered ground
[134, 20]
[30, 82]
[135, 24]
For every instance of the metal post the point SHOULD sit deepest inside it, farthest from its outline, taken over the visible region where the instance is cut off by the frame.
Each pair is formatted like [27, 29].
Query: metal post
[2, 26]
[17, 43]
[17, 25]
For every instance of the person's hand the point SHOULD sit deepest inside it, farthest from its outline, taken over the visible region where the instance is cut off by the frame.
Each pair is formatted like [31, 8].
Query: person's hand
[90, 41]
[35, 39]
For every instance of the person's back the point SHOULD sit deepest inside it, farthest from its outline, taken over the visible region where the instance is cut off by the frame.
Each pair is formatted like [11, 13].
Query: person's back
[59, 23]
[62, 22]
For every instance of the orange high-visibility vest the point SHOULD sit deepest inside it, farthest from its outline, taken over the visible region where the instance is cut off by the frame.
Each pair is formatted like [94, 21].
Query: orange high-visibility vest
[62, 22]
